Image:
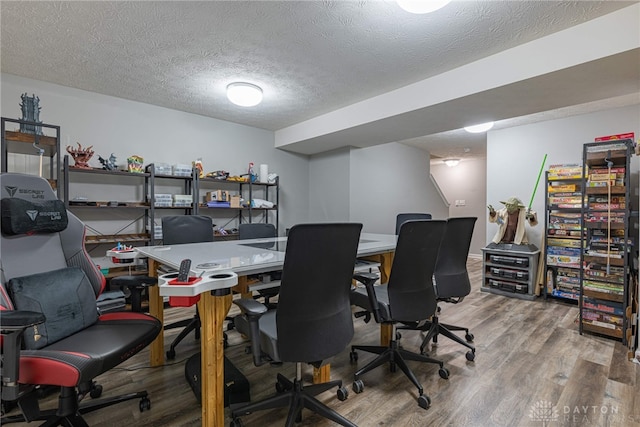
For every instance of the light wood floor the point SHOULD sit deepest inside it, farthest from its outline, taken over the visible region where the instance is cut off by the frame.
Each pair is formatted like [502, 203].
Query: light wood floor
[529, 354]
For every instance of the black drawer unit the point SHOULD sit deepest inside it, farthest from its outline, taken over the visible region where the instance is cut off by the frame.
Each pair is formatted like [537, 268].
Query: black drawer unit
[510, 272]
[509, 260]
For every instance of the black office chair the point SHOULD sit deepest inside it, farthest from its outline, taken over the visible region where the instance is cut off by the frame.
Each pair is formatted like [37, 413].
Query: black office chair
[451, 282]
[52, 332]
[179, 229]
[312, 321]
[259, 230]
[402, 217]
[408, 297]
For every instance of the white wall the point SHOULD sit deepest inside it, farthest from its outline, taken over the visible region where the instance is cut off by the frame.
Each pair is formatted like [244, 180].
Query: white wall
[514, 156]
[467, 182]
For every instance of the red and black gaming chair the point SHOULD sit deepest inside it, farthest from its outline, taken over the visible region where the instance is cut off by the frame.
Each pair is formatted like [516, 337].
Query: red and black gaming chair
[52, 332]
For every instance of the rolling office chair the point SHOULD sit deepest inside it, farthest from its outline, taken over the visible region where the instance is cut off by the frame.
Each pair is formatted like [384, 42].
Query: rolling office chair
[312, 321]
[408, 297]
[179, 229]
[52, 333]
[258, 230]
[451, 282]
[402, 217]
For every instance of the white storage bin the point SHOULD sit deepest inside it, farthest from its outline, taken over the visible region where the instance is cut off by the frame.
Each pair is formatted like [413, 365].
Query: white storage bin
[181, 170]
[163, 169]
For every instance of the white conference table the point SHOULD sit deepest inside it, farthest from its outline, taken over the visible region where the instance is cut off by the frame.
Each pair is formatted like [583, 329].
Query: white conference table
[243, 257]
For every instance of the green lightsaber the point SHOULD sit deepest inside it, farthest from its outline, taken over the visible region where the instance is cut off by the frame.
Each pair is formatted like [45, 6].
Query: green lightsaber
[537, 182]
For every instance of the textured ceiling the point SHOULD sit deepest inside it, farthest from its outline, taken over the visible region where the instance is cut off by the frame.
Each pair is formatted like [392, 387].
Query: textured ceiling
[310, 57]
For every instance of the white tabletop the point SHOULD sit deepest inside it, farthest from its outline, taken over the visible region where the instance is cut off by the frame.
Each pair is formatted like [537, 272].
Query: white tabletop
[239, 257]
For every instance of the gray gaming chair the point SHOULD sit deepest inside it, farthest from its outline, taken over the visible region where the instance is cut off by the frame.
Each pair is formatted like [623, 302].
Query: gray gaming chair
[180, 229]
[312, 321]
[52, 332]
[408, 297]
[452, 282]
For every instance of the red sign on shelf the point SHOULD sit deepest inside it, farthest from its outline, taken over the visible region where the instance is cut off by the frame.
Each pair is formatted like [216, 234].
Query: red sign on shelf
[629, 135]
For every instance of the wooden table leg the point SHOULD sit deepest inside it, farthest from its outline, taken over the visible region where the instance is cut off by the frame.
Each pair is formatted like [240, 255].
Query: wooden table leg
[322, 374]
[213, 309]
[385, 334]
[156, 309]
[243, 287]
[386, 260]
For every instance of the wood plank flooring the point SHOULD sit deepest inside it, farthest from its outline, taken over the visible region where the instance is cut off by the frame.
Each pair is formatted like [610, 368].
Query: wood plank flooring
[532, 368]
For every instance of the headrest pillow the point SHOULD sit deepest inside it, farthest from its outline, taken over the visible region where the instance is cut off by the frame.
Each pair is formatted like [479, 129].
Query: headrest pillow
[21, 216]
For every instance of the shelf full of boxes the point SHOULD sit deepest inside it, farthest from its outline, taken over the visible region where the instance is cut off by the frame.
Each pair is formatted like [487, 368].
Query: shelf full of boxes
[563, 231]
[609, 302]
[168, 187]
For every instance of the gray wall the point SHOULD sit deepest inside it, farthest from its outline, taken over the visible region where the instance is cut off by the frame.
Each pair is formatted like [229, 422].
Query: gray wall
[514, 156]
[329, 186]
[372, 185]
[113, 125]
[467, 181]
[389, 179]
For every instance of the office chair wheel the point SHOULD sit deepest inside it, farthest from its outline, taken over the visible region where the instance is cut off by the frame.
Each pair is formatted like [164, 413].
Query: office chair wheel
[96, 391]
[171, 354]
[353, 356]
[444, 373]
[469, 337]
[358, 386]
[342, 394]
[145, 404]
[236, 422]
[424, 402]
[471, 355]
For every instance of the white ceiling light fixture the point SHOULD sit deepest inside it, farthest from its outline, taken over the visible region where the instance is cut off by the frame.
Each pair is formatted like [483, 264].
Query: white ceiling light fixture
[479, 128]
[422, 6]
[244, 94]
[451, 162]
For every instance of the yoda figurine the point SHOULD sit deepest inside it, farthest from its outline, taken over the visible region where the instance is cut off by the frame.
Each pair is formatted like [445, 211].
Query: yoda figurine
[511, 220]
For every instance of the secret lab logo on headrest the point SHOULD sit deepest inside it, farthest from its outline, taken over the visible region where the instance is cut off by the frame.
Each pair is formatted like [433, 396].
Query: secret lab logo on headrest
[35, 194]
[53, 215]
[11, 190]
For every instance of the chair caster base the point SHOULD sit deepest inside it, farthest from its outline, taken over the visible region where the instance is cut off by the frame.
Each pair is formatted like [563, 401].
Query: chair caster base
[470, 355]
[358, 386]
[444, 373]
[424, 402]
[342, 394]
[145, 404]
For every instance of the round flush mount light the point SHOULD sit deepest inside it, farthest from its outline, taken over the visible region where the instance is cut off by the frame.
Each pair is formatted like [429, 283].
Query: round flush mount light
[422, 6]
[479, 128]
[451, 162]
[244, 94]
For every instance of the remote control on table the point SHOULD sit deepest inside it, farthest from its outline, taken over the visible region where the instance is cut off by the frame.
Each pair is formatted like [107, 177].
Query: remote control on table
[183, 272]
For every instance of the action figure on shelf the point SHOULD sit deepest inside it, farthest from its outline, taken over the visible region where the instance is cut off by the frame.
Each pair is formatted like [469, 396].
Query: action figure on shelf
[511, 220]
[108, 164]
